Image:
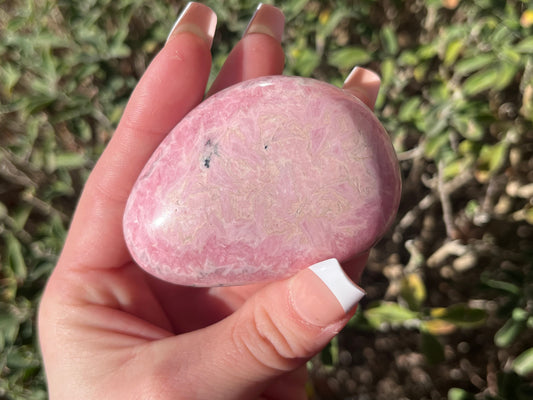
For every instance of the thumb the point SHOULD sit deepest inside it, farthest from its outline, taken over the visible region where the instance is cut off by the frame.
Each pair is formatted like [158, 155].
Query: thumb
[276, 331]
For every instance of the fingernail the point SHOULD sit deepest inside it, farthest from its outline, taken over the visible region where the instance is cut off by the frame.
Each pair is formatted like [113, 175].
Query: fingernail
[198, 19]
[267, 19]
[364, 84]
[323, 293]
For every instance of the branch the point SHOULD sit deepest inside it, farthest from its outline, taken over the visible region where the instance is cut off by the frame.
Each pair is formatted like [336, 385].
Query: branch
[444, 195]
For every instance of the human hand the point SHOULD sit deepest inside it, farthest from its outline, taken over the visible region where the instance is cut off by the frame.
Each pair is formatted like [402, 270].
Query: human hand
[108, 330]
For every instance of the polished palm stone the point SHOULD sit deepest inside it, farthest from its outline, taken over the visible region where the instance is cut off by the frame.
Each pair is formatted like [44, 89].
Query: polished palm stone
[260, 181]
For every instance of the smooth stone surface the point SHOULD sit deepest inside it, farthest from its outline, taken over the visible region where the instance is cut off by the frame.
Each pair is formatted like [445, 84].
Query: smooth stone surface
[260, 181]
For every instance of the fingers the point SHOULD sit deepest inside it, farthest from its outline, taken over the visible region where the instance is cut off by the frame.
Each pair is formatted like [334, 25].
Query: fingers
[172, 85]
[258, 53]
[363, 84]
[276, 331]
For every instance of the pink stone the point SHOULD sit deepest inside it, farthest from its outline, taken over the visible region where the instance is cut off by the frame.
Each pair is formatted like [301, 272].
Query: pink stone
[260, 181]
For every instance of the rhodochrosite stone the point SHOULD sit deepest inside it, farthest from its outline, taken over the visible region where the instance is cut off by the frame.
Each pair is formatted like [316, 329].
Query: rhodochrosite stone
[261, 180]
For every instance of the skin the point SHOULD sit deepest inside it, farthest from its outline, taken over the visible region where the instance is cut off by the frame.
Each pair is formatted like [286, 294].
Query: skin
[109, 330]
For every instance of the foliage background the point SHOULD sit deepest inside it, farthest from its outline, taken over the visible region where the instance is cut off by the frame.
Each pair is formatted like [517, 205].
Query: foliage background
[449, 311]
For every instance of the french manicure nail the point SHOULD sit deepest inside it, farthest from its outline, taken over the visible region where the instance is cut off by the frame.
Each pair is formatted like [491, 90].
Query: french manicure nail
[331, 273]
[198, 19]
[364, 84]
[324, 294]
[267, 19]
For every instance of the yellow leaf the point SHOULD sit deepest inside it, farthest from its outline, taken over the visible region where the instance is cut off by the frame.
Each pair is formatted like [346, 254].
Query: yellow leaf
[323, 17]
[439, 327]
[526, 20]
[413, 291]
[438, 312]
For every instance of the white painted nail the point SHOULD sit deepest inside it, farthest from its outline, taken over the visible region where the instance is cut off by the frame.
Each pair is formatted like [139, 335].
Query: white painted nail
[331, 273]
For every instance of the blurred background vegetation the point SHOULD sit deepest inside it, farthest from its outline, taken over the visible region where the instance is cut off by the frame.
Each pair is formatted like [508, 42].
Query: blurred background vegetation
[449, 311]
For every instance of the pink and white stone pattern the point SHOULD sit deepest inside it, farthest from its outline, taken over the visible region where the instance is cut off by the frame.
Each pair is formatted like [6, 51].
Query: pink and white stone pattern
[260, 181]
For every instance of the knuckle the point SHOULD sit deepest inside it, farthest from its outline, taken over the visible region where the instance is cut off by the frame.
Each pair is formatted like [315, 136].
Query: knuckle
[270, 342]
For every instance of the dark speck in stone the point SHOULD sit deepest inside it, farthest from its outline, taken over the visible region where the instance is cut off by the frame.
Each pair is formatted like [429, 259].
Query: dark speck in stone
[210, 149]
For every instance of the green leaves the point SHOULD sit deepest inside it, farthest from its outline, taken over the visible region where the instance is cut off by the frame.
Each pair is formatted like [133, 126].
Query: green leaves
[9, 75]
[458, 315]
[453, 50]
[305, 61]
[15, 266]
[525, 46]
[494, 69]
[510, 331]
[431, 323]
[69, 161]
[523, 364]
[389, 40]
[349, 57]
[474, 63]
[461, 315]
[482, 81]
[389, 313]
[495, 78]
[459, 394]
[9, 326]
[432, 349]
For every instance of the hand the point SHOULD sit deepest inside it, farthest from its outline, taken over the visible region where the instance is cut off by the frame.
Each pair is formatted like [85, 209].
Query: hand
[108, 330]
